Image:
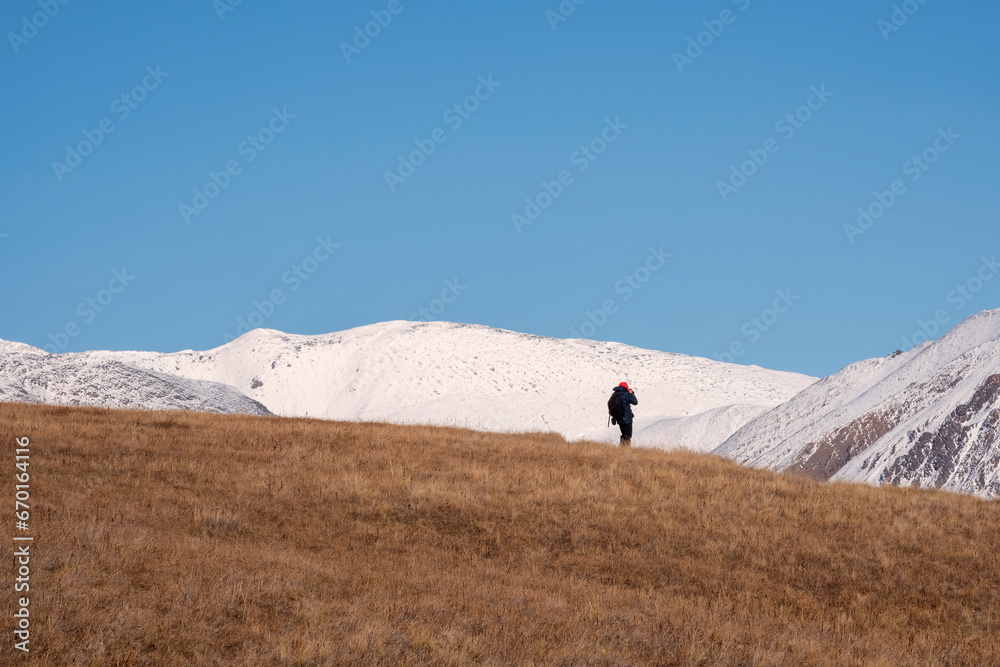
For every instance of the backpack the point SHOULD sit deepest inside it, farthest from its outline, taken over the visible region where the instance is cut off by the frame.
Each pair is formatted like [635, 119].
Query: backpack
[615, 408]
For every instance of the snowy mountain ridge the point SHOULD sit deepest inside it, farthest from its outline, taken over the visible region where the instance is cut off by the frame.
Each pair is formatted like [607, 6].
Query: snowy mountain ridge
[31, 375]
[927, 417]
[469, 375]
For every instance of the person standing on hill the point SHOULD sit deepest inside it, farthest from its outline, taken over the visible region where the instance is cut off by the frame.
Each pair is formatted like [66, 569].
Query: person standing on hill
[622, 413]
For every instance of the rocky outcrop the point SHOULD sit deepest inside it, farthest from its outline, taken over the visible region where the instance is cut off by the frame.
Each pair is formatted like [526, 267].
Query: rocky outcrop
[963, 446]
[825, 457]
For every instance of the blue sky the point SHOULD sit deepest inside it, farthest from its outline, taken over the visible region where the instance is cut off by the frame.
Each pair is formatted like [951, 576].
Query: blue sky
[615, 123]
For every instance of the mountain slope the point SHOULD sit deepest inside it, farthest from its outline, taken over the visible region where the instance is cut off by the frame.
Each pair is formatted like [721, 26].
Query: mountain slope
[30, 375]
[927, 417]
[476, 376]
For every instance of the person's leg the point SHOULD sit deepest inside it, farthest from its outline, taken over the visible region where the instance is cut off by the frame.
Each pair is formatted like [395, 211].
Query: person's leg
[626, 439]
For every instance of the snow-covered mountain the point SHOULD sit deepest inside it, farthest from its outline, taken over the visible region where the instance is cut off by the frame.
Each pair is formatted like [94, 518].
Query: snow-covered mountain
[442, 373]
[927, 417]
[30, 375]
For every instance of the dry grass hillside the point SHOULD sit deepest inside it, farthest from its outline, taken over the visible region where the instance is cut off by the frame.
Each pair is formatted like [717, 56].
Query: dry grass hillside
[176, 539]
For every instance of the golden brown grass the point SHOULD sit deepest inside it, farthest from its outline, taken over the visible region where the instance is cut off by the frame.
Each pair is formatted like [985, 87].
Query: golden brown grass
[168, 538]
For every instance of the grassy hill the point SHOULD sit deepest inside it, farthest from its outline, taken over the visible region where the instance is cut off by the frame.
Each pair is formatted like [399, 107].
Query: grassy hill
[172, 538]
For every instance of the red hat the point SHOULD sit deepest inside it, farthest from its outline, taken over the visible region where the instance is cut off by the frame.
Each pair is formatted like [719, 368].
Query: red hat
[624, 384]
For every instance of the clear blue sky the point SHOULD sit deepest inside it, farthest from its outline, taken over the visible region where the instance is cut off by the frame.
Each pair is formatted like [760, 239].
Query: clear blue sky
[218, 82]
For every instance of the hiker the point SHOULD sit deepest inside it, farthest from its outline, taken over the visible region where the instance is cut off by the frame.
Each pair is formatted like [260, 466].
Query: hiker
[620, 408]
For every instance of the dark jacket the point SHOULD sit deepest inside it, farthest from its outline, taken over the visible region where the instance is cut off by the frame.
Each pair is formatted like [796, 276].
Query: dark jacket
[628, 400]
